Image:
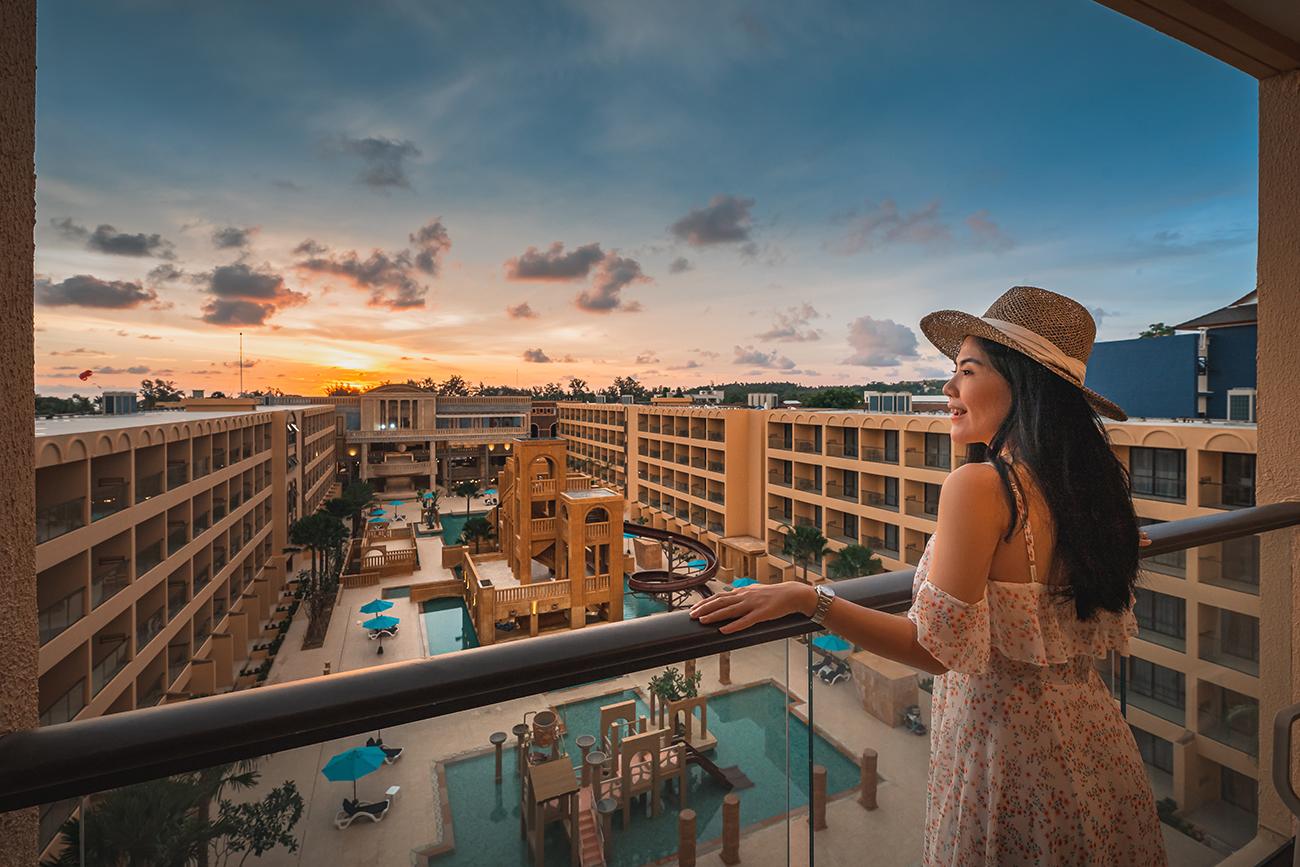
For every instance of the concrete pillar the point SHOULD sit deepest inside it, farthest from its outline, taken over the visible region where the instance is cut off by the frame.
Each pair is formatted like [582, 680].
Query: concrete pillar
[365, 461]
[690, 668]
[18, 644]
[868, 781]
[1278, 281]
[222, 654]
[724, 668]
[686, 838]
[731, 829]
[818, 809]
[497, 740]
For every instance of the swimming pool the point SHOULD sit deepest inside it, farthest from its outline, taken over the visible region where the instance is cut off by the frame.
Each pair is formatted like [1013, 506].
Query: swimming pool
[453, 523]
[447, 625]
[750, 725]
[640, 604]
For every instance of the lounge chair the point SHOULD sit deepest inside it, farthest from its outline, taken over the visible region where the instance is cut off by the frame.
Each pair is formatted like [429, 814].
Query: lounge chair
[391, 754]
[383, 633]
[354, 810]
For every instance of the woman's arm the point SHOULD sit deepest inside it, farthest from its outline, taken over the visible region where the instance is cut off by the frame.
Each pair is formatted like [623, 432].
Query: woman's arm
[972, 513]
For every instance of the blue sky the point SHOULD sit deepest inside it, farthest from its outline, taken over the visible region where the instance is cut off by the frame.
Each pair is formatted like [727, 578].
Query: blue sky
[740, 190]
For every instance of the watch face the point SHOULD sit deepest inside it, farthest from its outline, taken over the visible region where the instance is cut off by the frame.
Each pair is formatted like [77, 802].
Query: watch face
[825, 591]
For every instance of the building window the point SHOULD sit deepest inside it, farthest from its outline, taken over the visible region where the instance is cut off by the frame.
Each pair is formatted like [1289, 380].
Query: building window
[850, 483]
[851, 527]
[1239, 790]
[931, 502]
[1163, 685]
[1156, 751]
[1161, 618]
[891, 446]
[891, 491]
[1159, 473]
[1238, 480]
[851, 442]
[938, 451]
[1239, 635]
[1174, 563]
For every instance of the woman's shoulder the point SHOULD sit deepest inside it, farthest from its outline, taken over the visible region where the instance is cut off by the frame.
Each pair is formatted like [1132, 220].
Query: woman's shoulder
[974, 485]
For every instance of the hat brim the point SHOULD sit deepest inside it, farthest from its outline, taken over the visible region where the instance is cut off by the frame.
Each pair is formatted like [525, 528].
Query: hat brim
[946, 329]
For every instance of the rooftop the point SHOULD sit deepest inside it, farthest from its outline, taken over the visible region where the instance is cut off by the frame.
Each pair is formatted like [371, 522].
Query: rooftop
[76, 424]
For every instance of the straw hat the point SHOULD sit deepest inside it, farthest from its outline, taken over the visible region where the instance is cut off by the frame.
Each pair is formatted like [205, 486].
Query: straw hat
[1055, 331]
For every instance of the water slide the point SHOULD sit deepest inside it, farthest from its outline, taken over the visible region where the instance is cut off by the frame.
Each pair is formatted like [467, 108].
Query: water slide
[729, 778]
[664, 581]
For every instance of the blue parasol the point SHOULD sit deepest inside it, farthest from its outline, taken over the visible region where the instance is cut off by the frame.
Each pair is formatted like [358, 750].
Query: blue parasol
[743, 582]
[374, 606]
[831, 643]
[353, 764]
[383, 621]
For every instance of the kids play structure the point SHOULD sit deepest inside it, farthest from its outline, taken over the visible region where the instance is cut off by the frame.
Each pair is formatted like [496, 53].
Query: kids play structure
[561, 562]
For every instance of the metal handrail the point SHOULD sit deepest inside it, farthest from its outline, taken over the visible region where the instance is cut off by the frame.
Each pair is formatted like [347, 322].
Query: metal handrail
[84, 756]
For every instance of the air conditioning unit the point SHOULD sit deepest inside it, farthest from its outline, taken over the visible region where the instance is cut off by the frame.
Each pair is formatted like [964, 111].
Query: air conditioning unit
[1242, 404]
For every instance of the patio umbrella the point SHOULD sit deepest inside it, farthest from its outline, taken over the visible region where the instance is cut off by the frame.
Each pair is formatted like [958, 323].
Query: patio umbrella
[374, 606]
[743, 582]
[352, 765]
[831, 643]
[695, 564]
[376, 520]
[395, 503]
[383, 621]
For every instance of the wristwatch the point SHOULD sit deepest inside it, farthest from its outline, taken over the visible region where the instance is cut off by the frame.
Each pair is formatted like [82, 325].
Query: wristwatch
[825, 596]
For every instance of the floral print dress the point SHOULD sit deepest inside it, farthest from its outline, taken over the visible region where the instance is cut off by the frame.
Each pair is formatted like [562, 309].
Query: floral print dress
[1030, 760]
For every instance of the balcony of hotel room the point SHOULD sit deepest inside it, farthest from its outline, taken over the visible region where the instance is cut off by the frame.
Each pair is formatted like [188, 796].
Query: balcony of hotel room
[880, 536]
[62, 596]
[842, 528]
[914, 542]
[1226, 480]
[843, 485]
[1228, 716]
[879, 445]
[921, 499]
[842, 441]
[928, 450]
[61, 500]
[879, 492]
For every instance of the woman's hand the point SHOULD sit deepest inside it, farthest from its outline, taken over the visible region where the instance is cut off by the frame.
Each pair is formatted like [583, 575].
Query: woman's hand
[756, 603]
[1143, 539]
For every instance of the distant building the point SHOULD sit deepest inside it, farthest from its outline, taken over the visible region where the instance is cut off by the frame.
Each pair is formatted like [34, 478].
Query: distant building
[762, 400]
[1184, 375]
[120, 402]
[929, 403]
[887, 401]
[714, 397]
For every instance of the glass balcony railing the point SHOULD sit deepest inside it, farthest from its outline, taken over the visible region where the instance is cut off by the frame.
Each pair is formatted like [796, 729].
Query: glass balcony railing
[108, 667]
[202, 578]
[218, 510]
[218, 459]
[178, 596]
[202, 630]
[107, 580]
[54, 520]
[177, 475]
[177, 539]
[53, 619]
[148, 557]
[66, 706]
[202, 466]
[149, 627]
[148, 486]
[202, 522]
[767, 760]
[108, 499]
[178, 656]
[152, 693]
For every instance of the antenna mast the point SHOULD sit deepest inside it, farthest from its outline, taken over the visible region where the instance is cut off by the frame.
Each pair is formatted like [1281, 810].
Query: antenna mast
[241, 364]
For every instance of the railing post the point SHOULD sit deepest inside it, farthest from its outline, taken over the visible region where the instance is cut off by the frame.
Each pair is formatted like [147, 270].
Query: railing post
[731, 829]
[867, 787]
[686, 838]
[724, 668]
[818, 809]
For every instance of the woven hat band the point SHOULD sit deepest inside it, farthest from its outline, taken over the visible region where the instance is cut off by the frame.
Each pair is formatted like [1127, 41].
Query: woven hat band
[1041, 348]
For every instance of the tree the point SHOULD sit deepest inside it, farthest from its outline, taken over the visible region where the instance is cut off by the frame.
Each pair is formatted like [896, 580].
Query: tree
[429, 507]
[257, 827]
[549, 391]
[359, 496]
[453, 386]
[1158, 329]
[672, 685]
[578, 389]
[476, 529]
[155, 391]
[467, 489]
[319, 533]
[853, 561]
[803, 544]
[834, 397]
[341, 389]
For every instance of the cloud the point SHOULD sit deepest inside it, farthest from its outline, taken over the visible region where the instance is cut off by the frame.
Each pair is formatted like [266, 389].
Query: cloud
[248, 362]
[383, 159]
[1098, 314]
[791, 325]
[283, 184]
[886, 224]
[987, 233]
[232, 237]
[245, 296]
[138, 369]
[521, 311]
[310, 248]
[614, 275]
[680, 265]
[880, 342]
[724, 220]
[536, 356]
[690, 365]
[430, 241]
[164, 273]
[647, 357]
[84, 290]
[107, 239]
[1169, 244]
[707, 353]
[121, 333]
[752, 357]
[80, 351]
[554, 263]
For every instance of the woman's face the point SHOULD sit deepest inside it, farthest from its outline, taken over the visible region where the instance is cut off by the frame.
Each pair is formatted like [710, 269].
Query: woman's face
[978, 397]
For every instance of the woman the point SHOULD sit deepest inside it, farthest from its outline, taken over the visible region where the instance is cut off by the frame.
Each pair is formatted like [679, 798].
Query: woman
[1027, 580]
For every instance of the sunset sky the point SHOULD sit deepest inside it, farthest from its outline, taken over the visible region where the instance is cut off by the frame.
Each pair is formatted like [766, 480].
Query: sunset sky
[686, 192]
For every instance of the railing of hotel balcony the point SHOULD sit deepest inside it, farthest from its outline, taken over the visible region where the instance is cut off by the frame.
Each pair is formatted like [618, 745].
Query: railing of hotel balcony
[55, 520]
[109, 498]
[58, 616]
[68, 760]
[148, 486]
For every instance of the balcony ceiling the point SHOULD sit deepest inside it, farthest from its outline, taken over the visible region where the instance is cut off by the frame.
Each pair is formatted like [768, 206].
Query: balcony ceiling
[1259, 37]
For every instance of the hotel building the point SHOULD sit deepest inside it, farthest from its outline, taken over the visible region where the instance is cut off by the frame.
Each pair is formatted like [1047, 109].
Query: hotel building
[738, 477]
[161, 543]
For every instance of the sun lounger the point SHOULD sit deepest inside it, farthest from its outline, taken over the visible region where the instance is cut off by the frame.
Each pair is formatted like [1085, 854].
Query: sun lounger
[383, 633]
[355, 810]
[391, 754]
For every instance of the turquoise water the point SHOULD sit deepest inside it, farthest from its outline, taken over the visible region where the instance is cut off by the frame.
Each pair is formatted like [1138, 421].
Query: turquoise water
[750, 725]
[640, 605]
[447, 625]
[453, 523]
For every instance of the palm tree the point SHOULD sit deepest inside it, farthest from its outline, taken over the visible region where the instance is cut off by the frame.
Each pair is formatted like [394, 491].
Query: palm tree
[429, 505]
[359, 496]
[853, 561]
[477, 528]
[467, 489]
[803, 544]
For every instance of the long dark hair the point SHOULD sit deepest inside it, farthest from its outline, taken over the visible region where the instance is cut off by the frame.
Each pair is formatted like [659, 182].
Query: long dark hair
[1054, 432]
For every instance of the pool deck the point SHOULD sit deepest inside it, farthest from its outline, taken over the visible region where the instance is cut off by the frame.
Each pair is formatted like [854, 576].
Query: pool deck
[892, 833]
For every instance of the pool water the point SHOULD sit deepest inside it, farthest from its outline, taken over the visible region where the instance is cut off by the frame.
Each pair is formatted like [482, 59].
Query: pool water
[453, 523]
[447, 625]
[750, 725]
[640, 604]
